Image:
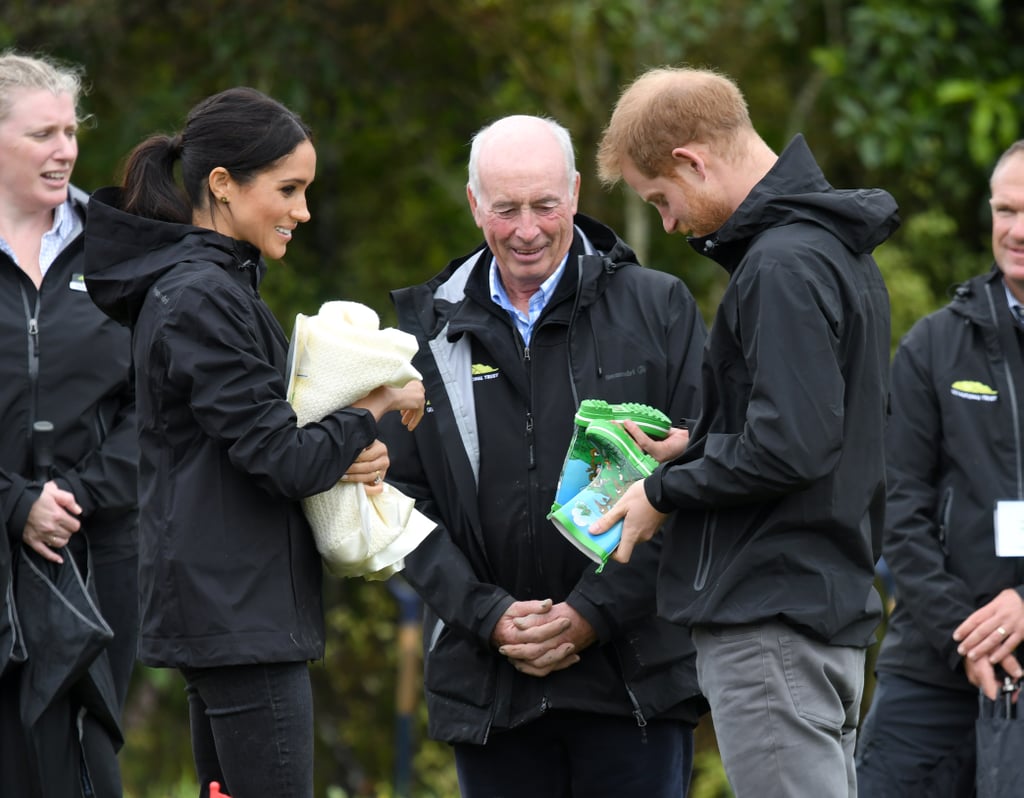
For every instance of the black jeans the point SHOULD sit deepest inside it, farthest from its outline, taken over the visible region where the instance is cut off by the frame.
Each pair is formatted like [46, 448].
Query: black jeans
[579, 755]
[252, 729]
[117, 587]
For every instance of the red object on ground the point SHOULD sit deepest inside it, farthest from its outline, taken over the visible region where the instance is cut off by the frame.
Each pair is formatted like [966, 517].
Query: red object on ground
[215, 791]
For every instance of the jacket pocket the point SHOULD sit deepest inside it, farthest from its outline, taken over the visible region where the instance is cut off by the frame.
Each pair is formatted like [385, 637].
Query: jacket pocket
[945, 511]
[653, 645]
[459, 668]
[705, 558]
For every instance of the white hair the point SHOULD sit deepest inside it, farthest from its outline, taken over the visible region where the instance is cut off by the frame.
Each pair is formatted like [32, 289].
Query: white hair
[559, 132]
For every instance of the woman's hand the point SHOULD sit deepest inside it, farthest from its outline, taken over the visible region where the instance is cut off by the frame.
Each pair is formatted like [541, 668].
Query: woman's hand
[409, 400]
[51, 522]
[369, 468]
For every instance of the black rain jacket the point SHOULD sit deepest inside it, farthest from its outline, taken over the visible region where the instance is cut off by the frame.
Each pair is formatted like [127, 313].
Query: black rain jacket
[229, 571]
[955, 446]
[781, 493]
[65, 362]
[485, 461]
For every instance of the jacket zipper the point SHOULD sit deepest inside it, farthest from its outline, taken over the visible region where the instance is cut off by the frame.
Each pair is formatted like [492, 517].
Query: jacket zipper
[1008, 349]
[638, 713]
[1008, 346]
[32, 326]
[531, 464]
[531, 461]
[1015, 414]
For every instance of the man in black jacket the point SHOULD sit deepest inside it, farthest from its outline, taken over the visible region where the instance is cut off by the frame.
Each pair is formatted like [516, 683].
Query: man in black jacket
[955, 452]
[549, 678]
[779, 495]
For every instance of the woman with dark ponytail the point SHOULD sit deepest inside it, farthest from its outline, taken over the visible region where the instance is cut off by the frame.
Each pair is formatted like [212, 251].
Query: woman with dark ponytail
[229, 574]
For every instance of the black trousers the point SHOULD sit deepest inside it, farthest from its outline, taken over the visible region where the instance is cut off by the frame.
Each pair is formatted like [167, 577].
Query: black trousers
[579, 755]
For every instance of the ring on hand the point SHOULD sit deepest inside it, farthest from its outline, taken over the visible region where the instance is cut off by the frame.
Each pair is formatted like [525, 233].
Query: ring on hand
[1002, 631]
[377, 478]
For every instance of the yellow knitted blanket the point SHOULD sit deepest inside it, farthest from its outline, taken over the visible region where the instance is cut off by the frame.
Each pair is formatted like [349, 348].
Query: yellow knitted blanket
[337, 357]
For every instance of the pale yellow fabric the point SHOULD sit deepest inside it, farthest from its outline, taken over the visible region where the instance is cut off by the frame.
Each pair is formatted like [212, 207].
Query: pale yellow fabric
[339, 356]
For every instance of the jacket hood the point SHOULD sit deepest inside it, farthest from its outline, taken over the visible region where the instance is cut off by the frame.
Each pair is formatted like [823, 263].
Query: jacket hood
[125, 254]
[969, 298]
[605, 240]
[796, 192]
[447, 288]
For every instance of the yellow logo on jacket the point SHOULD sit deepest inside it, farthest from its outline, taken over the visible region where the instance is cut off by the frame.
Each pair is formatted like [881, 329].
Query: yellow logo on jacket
[481, 371]
[974, 390]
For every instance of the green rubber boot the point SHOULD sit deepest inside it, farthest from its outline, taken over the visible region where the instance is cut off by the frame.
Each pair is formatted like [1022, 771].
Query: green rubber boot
[621, 463]
[580, 464]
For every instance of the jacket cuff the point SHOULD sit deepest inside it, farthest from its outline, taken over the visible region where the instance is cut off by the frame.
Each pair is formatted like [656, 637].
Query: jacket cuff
[953, 660]
[369, 423]
[592, 614]
[654, 489]
[491, 619]
[22, 507]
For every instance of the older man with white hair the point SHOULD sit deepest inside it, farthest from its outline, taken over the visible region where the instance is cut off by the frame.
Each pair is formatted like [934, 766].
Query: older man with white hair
[549, 678]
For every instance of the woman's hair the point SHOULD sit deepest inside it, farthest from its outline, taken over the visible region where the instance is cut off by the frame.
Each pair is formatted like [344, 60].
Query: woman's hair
[240, 129]
[19, 72]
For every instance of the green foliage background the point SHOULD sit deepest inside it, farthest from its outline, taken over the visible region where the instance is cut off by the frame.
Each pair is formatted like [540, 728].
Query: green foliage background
[915, 96]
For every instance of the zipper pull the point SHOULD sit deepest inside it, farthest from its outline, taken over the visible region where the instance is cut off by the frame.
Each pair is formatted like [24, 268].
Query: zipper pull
[33, 331]
[529, 440]
[641, 723]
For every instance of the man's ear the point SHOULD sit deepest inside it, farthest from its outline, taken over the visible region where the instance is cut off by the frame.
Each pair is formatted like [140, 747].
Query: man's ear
[690, 162]
[474, 207]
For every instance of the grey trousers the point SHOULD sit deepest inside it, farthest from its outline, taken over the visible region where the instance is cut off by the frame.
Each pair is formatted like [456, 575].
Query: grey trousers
[784, 707]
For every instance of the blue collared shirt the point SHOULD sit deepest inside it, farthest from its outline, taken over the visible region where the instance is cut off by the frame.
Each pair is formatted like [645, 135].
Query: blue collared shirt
[1015, 307]
[524, 321]
[65, 228]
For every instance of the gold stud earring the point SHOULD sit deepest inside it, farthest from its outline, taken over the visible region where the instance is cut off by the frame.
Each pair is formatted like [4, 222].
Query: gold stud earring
[224, 200]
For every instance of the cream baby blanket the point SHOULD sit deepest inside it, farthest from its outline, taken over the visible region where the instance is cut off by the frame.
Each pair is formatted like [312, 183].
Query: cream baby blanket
[337, 357]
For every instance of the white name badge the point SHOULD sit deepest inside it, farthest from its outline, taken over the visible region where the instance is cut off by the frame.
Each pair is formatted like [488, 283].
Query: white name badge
[1009, 523]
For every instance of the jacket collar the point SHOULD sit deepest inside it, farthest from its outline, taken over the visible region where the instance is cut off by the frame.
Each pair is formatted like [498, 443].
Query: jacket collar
[796, 192]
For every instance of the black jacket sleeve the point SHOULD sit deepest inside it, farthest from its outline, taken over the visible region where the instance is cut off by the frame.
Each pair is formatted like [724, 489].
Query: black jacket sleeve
[106, 478]
[438, 569]
[217, 352]
[793, 431]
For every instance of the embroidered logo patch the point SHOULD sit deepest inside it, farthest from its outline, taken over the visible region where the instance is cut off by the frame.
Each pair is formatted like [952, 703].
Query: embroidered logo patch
[481, 371]
[976, 391]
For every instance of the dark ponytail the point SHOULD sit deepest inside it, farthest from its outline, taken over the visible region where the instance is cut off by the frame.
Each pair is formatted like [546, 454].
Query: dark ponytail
[149, 186]
[240, 129]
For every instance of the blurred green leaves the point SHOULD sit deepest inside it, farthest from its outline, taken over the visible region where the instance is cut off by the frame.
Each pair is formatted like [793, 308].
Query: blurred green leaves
[915, 96]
